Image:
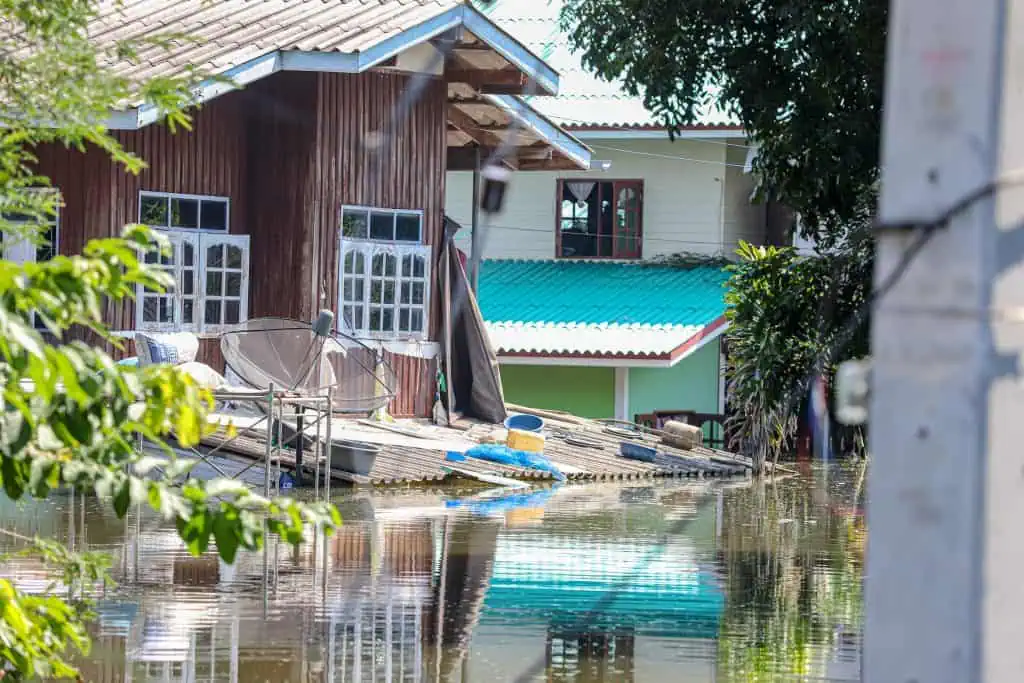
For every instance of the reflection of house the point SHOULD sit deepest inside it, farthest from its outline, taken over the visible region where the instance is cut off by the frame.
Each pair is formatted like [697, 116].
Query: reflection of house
[575, 324]
[321, 183]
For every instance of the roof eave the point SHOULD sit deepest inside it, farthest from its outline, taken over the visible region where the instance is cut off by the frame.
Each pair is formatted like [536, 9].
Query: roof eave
[534, 68]
[707, 334]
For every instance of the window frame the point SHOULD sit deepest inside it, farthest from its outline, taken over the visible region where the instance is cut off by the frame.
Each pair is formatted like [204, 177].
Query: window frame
[12, 254]
[201, 239]
[369, 247]
[618, 184]
[143, 194]
[371, 209]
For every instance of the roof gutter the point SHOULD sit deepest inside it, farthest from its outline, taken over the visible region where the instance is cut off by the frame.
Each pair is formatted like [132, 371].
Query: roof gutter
[356, 62]
[709, 333]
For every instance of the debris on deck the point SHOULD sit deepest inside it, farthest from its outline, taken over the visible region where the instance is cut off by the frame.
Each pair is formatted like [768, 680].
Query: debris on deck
[416, 451]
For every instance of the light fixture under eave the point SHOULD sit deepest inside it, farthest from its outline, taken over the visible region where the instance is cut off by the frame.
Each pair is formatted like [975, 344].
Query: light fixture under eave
[600, 164]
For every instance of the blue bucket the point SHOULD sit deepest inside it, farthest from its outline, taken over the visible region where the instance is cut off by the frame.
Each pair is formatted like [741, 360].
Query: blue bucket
[526, 423]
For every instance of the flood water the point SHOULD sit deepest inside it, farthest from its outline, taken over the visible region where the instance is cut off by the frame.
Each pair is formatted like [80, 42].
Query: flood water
[668, 581]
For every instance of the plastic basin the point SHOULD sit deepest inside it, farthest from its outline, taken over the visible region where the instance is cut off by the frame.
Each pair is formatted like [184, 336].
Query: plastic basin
[524, 423]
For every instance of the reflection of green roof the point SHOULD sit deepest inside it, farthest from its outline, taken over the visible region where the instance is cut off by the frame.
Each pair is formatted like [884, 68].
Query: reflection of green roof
[583, 98]
[597, 309]
[570, 580]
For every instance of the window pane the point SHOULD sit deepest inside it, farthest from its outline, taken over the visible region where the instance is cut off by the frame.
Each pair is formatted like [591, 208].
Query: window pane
[417, 292]
[233, 284]
[403, 320]
[406, 295]
[360, 290]
[382, 226]
[231, 312]
[214, 283]
[389, 292]
[48, 249]
[215, 256]
[214, 215]
[376, 291]
[234, 257]
[188, 311]
[390, 265]
[149, 309]
[355, 223]
[153, 211]
[378, 264]
[375, 319]
[151, 257]
[348, 290]
[188, 282]
[166, 314]
[212, 313]
[407, 265]
[360, 317]
[407, 227]
[387, 320]
[188, 254]
[416, 324]
[184, 213]
[419, 266]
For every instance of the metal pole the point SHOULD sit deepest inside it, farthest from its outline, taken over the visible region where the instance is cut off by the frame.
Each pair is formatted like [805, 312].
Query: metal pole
[448, 324]
[475, 243]
[327, 443]
[300, 428]
[270, 436]
[943, 593]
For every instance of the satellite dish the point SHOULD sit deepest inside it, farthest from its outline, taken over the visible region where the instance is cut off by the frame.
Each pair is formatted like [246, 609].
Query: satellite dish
[308, 359]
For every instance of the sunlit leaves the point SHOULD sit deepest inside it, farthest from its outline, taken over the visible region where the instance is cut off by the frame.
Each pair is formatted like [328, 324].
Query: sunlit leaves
[786, 313]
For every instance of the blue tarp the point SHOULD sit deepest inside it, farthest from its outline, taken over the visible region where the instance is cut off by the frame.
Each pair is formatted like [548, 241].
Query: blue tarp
[503, 455]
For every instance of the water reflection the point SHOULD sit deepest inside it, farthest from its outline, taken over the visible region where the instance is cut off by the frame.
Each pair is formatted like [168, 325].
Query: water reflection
[670, 581]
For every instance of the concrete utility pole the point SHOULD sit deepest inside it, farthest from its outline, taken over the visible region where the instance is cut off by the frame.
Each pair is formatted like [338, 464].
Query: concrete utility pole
[945, 571]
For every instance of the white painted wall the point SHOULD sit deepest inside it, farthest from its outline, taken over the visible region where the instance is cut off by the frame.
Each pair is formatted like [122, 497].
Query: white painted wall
[693, 201]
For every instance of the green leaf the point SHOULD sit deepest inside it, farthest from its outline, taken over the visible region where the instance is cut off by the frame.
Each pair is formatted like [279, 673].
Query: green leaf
[123, 498]
[225, 532]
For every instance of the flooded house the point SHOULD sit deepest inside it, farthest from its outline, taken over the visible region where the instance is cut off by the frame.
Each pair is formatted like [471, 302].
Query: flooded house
[315, 179]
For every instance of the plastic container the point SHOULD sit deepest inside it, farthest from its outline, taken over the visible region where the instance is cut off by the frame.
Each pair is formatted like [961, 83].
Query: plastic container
[521, 440]
[634, 451]
[525, 423]
[353, 456]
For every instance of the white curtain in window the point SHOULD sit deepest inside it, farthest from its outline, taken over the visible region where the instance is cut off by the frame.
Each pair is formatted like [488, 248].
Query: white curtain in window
[581, 189]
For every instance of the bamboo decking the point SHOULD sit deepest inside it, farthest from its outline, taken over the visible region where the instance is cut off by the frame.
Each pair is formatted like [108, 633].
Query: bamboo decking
[403, 464]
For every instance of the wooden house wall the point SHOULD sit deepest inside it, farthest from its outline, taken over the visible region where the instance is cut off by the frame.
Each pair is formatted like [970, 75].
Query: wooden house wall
[288, 151]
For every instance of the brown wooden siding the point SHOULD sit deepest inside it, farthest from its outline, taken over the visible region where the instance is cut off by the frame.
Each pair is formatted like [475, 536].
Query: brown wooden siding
[416, 379]
[288, 151]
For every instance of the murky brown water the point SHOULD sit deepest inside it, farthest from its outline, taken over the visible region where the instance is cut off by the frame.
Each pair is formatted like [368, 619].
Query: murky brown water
[673, 581]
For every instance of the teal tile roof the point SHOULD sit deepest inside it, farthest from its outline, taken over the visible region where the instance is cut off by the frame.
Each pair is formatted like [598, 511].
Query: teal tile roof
[597, 308]
[593, 292]
[584, 99]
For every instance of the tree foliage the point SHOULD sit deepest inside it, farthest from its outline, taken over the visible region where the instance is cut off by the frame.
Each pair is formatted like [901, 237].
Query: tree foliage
[783, 310]
[70, 415]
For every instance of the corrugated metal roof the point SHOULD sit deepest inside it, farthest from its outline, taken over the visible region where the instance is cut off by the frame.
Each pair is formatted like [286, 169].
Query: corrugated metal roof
[584, 99]
[227, 33]
[595, 308]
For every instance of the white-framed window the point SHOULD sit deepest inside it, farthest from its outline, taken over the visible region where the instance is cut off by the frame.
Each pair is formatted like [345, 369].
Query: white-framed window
[210, 268]
[383, 273]
[22, 249]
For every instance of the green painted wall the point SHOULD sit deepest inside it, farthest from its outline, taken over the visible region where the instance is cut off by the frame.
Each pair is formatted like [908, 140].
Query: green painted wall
[692, 384]
[583, 391]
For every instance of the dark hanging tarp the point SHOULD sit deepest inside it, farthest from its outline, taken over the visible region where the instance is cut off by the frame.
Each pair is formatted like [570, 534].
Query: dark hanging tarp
[471, 366]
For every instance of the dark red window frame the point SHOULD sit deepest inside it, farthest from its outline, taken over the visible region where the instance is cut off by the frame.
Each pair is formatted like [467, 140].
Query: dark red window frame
[624, 241]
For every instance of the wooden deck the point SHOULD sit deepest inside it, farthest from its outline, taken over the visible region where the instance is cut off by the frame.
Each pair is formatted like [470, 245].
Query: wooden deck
[399, 464]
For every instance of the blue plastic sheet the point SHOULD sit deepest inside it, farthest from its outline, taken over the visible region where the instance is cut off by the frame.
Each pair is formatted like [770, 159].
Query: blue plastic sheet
[503, 455]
